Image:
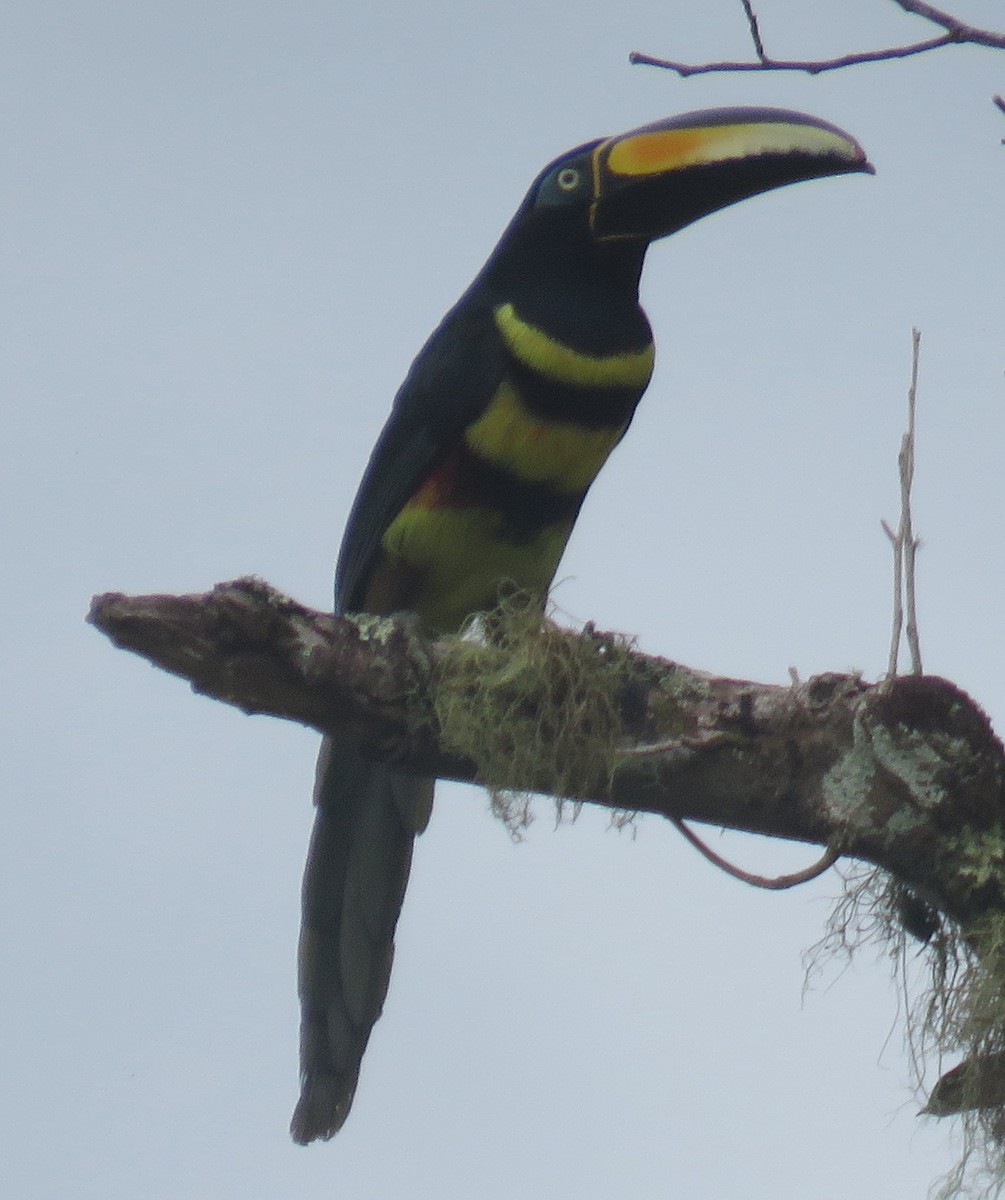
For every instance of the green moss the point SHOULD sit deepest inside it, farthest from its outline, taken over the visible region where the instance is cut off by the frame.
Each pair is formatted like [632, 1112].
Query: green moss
[533, 705]
[669, 705]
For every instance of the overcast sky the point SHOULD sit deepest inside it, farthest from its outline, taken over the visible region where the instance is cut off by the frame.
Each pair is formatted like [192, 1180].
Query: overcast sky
[226, 230]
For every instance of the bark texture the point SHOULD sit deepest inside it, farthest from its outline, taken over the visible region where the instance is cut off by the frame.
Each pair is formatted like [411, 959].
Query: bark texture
[907, 774]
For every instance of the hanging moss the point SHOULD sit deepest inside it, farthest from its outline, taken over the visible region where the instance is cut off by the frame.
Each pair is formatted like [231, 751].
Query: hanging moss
[953, 990]
[533, 704]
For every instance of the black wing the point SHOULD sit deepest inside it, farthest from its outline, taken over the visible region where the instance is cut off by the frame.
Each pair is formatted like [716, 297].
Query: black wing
[449, 385]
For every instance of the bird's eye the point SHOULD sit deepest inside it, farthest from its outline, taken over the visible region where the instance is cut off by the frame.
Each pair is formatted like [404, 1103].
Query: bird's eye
[568, 179]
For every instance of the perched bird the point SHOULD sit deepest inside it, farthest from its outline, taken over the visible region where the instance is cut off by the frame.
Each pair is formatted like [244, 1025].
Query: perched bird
[500, 427]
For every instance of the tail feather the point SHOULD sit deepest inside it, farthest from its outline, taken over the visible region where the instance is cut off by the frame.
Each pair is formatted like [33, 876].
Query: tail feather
[354, 884]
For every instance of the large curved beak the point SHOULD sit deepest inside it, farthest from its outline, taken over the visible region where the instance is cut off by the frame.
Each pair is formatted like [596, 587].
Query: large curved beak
[655, 180]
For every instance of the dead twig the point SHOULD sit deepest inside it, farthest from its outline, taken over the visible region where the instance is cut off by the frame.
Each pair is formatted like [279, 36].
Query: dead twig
[755, 29]
[955, 33]
[904, 543]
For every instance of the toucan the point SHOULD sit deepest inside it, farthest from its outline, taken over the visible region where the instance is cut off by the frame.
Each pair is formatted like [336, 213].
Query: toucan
[501, 425]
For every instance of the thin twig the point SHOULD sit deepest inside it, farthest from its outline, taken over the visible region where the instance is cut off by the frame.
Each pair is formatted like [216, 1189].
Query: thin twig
[904, 543]
[910, 542]
[959, 30]
[898, 599]
[811, 67]
[956, 32]
[755, 31]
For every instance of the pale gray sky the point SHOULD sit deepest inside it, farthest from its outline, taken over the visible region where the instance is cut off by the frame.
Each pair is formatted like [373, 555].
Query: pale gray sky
[227, 228]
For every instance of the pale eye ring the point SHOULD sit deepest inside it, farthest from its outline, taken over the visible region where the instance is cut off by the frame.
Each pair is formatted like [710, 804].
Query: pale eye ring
[568, 179]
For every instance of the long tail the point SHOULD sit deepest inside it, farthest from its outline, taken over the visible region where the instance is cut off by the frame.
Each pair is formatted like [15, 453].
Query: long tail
[354, 883]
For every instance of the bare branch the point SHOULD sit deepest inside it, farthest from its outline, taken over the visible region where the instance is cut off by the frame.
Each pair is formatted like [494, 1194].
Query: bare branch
[956, 32]
[810, 66]
[248, 645]
[897, 624]
[755, 29]
[905, 544]
[908, 541]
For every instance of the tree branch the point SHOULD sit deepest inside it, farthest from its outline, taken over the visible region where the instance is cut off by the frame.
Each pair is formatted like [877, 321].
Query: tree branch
[905, 544]
[956, 32]
[905, 774]
[755, 29]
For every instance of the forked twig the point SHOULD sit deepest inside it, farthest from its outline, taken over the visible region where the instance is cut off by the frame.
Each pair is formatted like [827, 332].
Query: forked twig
[955, 33]
[905, 544]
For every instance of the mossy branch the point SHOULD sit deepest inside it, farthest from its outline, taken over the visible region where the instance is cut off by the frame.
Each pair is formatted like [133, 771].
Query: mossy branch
[906, 774]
